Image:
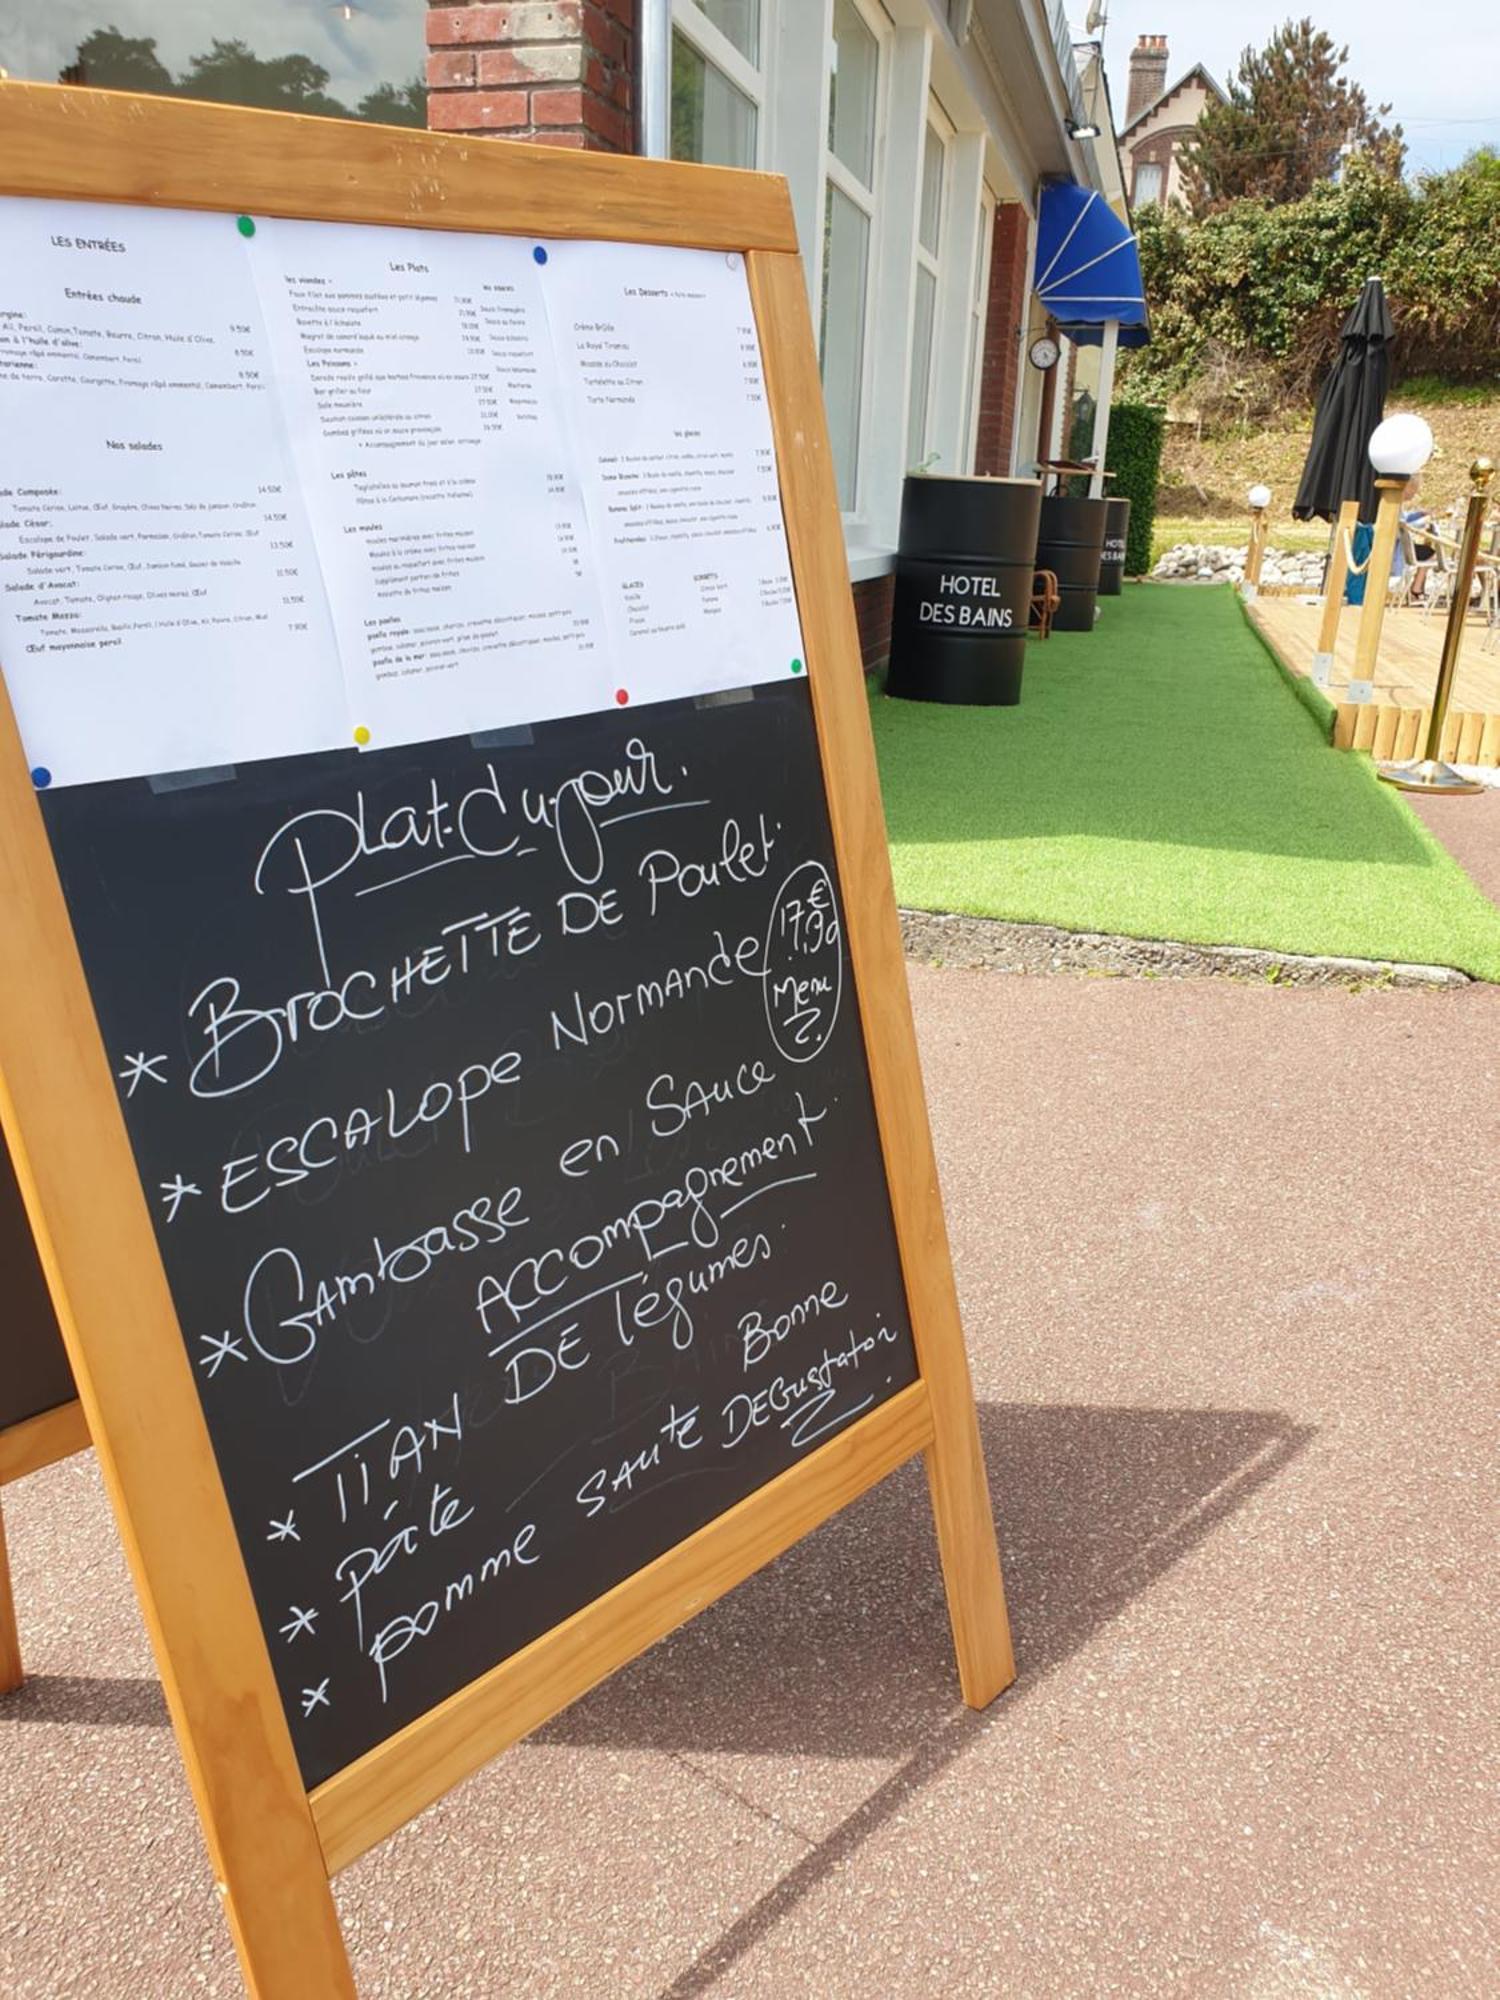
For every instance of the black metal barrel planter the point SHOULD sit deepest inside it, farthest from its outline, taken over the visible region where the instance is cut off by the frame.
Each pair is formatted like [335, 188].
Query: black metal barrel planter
[1070, 544]
[964, 573]
[1116, 535]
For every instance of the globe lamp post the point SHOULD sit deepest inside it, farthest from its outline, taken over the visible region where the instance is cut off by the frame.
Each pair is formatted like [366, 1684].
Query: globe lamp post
[1259, 498]
[1399, 448]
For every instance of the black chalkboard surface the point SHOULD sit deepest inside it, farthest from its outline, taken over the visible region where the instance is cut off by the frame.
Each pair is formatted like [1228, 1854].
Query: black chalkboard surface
[504, 1114]
[34, 1371]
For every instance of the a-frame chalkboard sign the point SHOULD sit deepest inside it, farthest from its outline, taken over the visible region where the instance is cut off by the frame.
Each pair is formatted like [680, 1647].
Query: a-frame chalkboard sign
[454, 1039]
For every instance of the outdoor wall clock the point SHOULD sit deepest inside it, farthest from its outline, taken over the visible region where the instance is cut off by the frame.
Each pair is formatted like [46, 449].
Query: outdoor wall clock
[1044, 352]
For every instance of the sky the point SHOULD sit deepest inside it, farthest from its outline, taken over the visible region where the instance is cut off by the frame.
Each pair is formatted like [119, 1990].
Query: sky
[382, 42]
[1437, 62]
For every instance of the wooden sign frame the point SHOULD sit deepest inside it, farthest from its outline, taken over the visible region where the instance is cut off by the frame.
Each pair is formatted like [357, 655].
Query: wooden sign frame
[50, 1430]
[27, 1447]
[274, 1845]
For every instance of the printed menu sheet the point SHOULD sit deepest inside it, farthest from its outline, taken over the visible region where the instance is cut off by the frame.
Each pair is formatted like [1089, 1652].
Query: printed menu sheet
[269, 487]
[661, 377]
[161, 601]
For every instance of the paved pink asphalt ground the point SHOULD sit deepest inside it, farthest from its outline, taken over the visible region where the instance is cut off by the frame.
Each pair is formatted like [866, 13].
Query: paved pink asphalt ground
[1230, 1269]
[1469, 827]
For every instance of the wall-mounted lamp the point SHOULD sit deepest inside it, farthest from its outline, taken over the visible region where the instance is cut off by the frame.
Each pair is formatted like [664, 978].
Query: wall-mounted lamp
[1077, 131]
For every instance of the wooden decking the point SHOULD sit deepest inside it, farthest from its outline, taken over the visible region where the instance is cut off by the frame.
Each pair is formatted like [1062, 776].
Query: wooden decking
[1395, 723]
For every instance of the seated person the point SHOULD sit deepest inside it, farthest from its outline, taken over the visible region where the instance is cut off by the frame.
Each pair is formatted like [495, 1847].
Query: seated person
[1416, 518]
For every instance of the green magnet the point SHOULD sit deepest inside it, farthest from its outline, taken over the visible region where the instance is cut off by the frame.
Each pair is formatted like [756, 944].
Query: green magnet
[796, 666]
[245, 226]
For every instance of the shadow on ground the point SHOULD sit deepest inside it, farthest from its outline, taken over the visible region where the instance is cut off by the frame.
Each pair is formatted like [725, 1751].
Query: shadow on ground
[1092, 1504]
[82, 1698]
[841, 1649]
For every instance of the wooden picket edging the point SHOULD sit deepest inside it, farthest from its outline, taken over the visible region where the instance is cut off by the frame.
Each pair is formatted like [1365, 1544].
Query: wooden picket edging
[1386, 730]
[1395, 724]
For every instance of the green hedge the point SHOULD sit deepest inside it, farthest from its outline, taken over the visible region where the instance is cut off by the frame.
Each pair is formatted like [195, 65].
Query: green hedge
[1273, 281]
[1136, 431]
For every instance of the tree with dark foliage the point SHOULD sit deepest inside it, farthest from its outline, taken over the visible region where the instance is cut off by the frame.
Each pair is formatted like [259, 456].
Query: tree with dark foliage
[108, 60]
[395, 104]
[232, 73]
[1291, 119]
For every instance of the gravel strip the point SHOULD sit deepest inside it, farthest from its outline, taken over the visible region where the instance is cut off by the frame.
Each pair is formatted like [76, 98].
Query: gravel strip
[986, 944]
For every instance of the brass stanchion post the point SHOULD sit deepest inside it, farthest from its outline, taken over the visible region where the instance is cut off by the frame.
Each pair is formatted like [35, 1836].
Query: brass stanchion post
[1429, 773]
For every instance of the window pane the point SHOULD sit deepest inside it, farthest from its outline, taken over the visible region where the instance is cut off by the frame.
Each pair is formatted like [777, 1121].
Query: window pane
[846, 261]
[851, 104]
[739, 20]
[309, 59]
[712, 122]
[923, 314]
[1147, 184]
[930, 224]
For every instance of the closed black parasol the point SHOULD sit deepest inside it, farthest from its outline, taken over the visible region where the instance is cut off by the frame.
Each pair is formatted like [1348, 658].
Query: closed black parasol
[1350, 404]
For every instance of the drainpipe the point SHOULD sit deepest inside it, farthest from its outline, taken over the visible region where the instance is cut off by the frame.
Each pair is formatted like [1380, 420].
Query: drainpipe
[655, 76]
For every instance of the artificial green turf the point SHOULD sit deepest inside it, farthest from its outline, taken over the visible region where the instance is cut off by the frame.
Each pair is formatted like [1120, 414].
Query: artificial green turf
[1159, 779]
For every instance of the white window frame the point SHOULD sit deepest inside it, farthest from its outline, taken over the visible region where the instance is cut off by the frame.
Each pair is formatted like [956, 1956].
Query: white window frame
[715, 47]
[1159, 195]
[868, 201]
[934, 262]
[979, 319]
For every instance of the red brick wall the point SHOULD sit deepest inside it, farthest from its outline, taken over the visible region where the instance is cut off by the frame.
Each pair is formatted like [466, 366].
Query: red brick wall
[559, 72]
[1004, 329]
[872, 614]
[1148, 75]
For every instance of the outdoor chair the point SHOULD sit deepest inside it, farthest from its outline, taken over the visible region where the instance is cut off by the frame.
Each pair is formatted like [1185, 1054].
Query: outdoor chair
[1415, 569]
[1439, 588]
[1045, 599]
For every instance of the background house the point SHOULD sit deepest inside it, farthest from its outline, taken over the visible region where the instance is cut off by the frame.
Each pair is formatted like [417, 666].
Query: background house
[1159, 120]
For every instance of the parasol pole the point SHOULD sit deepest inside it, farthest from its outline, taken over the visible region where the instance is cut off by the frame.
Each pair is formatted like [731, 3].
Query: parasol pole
[1107, 352]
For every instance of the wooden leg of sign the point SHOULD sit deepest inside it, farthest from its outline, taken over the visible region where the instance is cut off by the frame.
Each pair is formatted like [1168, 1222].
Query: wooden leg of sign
[11, 1675]
[955, 1465]
[971, 1560]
